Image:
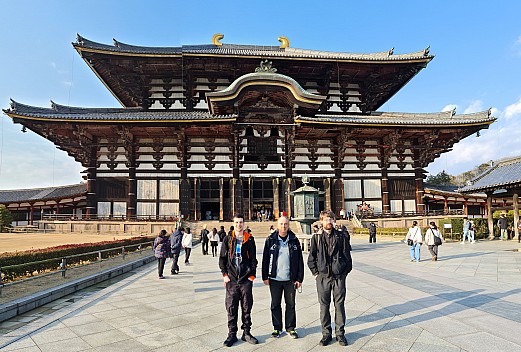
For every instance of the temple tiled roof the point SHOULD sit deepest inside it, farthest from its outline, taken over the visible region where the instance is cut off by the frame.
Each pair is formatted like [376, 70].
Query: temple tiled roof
[69, 113]
[401, 118]
[42, 194]
[246, 50]
[505, 173]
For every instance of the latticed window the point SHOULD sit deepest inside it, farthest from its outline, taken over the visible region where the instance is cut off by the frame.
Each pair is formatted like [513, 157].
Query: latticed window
[402, 188]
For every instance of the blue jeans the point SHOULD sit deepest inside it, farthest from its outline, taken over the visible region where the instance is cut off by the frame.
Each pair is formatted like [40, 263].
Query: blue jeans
[415, 251]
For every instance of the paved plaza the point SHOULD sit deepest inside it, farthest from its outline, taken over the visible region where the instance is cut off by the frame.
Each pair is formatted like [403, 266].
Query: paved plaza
[469, 300]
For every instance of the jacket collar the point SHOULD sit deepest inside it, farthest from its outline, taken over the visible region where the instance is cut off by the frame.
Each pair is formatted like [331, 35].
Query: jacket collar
[245, 238]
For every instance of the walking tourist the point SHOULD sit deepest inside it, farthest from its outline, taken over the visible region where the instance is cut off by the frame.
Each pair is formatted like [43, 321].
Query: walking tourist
[433, 239]
[161, 251]
[176, 239]
[187, 245]
[372, 232]
[238, 264]
[330, 261]
[283, 272]
[204, 240]
[502, 223]
[414, 240]
[214, 241]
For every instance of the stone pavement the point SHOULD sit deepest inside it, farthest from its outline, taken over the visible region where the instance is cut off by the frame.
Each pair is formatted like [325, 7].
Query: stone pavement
[469, 300]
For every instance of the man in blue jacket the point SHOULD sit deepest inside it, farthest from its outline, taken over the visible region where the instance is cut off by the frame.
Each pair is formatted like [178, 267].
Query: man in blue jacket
[283, 271]
[175, 243]
[330, 261]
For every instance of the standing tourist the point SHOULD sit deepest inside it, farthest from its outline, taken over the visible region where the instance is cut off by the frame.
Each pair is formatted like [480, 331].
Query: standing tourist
[187, 245]
[466, 230]
[283, 272]
[330, 261]
[433, 239]
[204, 240]
[414, 240]
[214, 241]
[161, 251]
[176, 239]
[238, 264]
[372, 232]
[502, 223]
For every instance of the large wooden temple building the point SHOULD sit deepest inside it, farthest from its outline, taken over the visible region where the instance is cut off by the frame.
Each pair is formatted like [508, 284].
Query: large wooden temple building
[210, 130]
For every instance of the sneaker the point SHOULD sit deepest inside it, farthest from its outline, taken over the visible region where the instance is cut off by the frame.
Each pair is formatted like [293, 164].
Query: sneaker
[341, 340]
[293, 334]
[230, 340]
[412, 260]
[326, 339]
[462, 242]
[276, 333]
[161, 277]
[246, 336]
[474, 241]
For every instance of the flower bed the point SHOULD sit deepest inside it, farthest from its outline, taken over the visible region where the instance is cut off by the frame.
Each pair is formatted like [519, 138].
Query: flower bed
[18, 265]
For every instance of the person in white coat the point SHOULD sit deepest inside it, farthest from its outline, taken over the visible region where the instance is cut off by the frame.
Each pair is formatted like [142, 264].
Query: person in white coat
[433, 239]
[187, 244]
[414, 240]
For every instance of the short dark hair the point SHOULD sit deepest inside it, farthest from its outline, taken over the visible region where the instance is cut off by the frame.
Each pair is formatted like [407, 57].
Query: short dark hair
[238, 216]
[162, 233]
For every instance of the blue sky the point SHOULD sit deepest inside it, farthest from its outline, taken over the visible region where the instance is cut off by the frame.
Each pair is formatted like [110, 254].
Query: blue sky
[477, 65]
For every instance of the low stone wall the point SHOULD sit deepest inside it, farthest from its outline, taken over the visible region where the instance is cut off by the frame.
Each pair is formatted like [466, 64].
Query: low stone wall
[106, 227]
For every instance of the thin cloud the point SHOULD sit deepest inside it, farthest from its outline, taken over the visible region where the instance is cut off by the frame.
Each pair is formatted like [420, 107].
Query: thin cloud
[475, 106]
[513, 110]
[450, 107]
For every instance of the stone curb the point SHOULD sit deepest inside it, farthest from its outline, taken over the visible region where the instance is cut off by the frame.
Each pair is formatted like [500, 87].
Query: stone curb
[24, 304]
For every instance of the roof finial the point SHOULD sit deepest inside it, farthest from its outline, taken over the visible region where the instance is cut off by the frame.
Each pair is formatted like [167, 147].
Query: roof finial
[265, 67]
[426, 51]
[216, 39]
[284, 42]
[453, 112]
[489, 112]
[390, 52]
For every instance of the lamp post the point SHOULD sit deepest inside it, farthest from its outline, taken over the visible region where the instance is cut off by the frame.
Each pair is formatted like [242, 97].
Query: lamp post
[305, 206]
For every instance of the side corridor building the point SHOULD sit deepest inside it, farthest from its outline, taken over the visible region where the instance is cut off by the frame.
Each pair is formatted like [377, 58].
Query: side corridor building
[210, 130]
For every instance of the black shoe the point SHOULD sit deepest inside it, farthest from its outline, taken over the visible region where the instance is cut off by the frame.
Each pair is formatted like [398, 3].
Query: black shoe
[341, 340]
[246, 336]
[230, 340]
[326, 339]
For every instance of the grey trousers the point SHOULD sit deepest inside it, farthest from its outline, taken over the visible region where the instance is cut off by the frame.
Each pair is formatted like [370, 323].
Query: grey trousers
[327, 287]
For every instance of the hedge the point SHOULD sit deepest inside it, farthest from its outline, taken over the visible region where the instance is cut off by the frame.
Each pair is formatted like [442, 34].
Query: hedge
[48, 259]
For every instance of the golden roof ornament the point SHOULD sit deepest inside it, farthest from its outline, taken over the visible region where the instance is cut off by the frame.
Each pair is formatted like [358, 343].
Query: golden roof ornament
[284, 42]
[216, 39]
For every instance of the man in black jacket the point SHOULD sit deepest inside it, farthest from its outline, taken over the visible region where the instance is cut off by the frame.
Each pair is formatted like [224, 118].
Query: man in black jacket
[204, 240]
[330, 261]
[238, 264]
[283, 271]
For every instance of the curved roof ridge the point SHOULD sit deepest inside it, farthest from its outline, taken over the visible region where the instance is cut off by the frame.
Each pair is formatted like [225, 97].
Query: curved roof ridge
[43, 188]
[248, 49]
[78, 109]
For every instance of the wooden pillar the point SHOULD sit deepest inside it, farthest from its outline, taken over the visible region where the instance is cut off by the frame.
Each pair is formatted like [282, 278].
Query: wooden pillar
[490, 219]
[327, 190]
[515, 206]
[57, 207]
[197, 199]
[184, 183]
[418, 178]
[250, 198]
[276, 201]
[221, 199]
[386, 202]
[445, 205]
[338, 196]
[31, 215]
[465, 207]
[236, 195]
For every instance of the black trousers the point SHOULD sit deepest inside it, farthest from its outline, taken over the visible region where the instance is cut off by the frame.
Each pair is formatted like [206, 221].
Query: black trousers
[277, 289]
[372, 238]
[214, 245]
[187, 254]
[239, 293]
[160, 265]
[175, 265]
[327, 286]
[205, 247]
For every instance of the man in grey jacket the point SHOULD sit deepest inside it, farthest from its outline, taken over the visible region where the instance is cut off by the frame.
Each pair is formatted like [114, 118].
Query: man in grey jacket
[330, 261]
